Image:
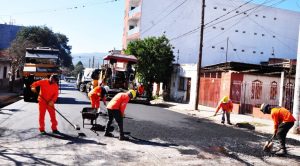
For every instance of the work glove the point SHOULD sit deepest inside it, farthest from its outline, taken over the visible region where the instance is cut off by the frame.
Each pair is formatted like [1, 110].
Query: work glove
[215, 114]
[51, 103]
[33, 90]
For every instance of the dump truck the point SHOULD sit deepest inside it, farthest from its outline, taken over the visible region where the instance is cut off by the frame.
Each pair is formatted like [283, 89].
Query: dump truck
[117, 72]
[40, 63]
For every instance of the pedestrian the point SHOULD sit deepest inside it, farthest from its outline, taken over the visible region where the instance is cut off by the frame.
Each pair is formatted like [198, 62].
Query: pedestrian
[96, 94]
[283, 122]
[227, 106]
[47, 97]
[116, 108]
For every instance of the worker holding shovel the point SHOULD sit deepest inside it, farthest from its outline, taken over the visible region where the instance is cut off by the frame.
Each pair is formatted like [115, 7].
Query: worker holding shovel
[116, 108]
[47, 97]
[97, 94]
[227, 106]
[283, 122]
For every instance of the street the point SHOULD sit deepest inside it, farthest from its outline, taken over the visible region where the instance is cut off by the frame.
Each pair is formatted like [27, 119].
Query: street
[157, 137]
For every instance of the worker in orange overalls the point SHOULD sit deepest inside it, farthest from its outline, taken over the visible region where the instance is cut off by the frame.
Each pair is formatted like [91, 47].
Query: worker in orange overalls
[227, 106]
[141, 89]
[116, 108]
[47, 97]
[283, 122]
[98, 93]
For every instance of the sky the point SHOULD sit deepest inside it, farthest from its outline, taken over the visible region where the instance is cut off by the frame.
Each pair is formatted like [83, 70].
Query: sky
[91, 25]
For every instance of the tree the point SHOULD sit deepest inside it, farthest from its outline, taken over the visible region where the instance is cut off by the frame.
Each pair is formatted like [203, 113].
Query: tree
[77, 69]
[155, 57]
[37, 36]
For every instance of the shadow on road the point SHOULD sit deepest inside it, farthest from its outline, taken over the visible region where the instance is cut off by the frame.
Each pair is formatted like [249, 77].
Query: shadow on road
[208, 138]
[70, 100]
[73, 139]
[147, 142]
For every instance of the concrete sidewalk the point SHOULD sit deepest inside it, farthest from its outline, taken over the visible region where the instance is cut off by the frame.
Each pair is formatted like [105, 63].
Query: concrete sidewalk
[261, 125]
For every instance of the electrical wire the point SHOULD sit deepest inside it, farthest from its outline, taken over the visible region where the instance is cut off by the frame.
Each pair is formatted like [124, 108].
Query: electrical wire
[79, 6]
[154, 24]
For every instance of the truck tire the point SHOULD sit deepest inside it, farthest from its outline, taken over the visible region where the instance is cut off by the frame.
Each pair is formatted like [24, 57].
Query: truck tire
[82, 87]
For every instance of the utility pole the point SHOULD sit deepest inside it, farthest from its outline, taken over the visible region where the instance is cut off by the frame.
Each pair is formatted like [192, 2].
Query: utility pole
[93, 62]
[227, 48]
[89, 62]
[177, 56]
[200, 56]
[296, 106]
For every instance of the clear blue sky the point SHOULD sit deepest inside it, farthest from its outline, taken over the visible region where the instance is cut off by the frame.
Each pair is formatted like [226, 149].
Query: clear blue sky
[90, 25]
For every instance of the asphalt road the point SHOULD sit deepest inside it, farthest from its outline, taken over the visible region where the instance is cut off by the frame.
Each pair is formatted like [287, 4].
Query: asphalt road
[157, 137]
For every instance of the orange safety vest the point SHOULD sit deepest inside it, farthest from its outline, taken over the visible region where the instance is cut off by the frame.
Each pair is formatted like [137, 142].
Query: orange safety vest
[225, 106]
[119, 102]
[281, 115]
[48, 92]
[96, 91]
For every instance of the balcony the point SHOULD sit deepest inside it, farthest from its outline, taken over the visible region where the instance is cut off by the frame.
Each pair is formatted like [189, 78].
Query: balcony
[133, 31]
[135, 13]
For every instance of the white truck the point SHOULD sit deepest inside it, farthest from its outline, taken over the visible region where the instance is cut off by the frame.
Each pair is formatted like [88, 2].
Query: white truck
[84, 78]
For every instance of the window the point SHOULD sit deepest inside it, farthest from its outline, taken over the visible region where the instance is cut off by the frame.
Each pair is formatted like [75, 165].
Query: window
[256, 15]
[255, 33]
[181, 83]
[222, 28]
[215, 8]
[256, 90]
[274, 36]
[261, 52]
[212, 46]
[236, 30]
[222, 48]
[243, 50]
[234, 49]
[244, 31]
[275, 18]
[262, 34]
[273, 90]
[224, 9]
[237, 12]
[254, 52]
[214, 27]
[264, 16]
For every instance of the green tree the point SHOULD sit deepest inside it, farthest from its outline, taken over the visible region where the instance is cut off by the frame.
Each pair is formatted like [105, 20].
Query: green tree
[155, 57]
[37, 36]
[77, 69]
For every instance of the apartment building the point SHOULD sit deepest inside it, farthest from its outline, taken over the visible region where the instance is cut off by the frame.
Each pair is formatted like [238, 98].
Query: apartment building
[235, 31]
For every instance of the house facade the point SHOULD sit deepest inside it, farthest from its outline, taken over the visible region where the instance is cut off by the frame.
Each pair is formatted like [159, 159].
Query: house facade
[235, 31]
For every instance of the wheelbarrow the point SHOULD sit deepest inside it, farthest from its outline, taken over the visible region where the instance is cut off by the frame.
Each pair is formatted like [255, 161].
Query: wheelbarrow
[90, 114]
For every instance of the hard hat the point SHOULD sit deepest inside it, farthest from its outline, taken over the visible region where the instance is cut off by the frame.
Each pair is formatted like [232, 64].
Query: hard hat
[225, 99]
[133, 93]
[264, 108]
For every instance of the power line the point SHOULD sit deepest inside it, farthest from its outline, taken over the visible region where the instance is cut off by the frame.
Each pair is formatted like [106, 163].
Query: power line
[75, 7]
[229, 12]
[154, 24]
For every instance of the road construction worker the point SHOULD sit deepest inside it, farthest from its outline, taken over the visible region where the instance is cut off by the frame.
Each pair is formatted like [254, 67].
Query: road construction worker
[283, 122]
[47, 97]
[116, 108]
[141, 89]
[98, 93]
[227, 106]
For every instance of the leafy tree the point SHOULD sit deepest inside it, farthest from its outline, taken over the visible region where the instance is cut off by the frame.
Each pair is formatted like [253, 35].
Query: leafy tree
[38, 36]
[155, 57]
[77, 69]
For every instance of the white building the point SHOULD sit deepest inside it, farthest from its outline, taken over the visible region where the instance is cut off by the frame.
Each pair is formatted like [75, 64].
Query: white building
[234, 29]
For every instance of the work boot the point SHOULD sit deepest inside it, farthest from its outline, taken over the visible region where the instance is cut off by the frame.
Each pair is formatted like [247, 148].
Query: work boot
[123, 138]
[229, 123]
[42, 132]
[281, 152]
[107, 134]
[55, 132]
[222, 122]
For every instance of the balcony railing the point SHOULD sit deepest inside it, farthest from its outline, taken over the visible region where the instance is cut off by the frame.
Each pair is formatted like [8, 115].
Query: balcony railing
[134, 11]
[133, 31]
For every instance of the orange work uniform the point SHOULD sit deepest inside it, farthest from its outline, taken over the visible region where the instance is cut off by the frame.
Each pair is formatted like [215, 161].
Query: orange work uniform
[48, 92]
[225, 106]
[281, 115]
[95, 96]
[119, 102]
[141, 89]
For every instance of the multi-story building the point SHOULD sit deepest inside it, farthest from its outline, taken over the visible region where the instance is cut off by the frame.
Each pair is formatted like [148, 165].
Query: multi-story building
[235, 30]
